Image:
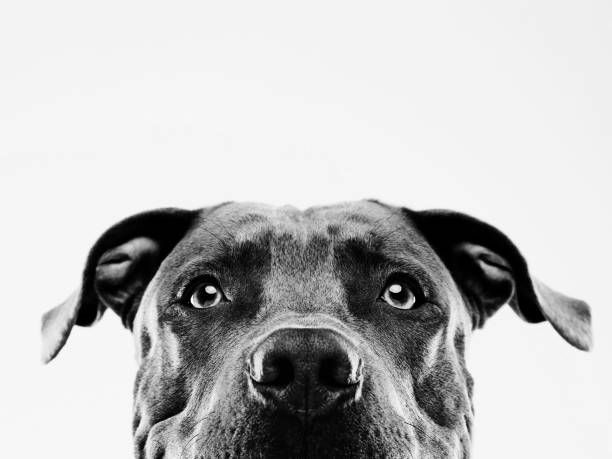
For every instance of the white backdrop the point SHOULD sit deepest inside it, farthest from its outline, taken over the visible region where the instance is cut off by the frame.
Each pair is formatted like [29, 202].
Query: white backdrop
[499, 109]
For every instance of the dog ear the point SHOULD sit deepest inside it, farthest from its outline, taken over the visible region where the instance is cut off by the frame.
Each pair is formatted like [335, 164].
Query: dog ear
[117, 271]
[491, 272]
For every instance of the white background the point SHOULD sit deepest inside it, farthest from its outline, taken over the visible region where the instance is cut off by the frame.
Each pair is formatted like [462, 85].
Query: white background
[499, 109]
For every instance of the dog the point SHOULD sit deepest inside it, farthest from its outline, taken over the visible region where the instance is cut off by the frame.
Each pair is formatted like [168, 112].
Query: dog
[338, 331]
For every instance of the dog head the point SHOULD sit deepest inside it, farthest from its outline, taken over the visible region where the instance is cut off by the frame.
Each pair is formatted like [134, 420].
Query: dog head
[338, 331]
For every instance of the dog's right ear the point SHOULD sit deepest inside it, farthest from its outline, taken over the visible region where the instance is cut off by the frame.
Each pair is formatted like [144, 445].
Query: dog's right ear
[491, 271]
[117, 271]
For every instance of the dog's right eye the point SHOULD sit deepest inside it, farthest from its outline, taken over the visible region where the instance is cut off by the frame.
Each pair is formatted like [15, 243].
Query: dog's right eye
[205, 295]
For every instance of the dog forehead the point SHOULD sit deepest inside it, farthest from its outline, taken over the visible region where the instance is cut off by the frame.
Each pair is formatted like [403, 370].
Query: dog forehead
[258, 236]
[241, 222]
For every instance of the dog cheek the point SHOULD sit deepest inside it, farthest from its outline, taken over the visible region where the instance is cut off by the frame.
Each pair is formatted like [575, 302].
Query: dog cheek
[440, 397]
[160, 398]
[146, 323]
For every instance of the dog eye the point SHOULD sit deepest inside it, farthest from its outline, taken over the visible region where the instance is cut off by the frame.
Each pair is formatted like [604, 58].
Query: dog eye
[206, 295]
[399, 295]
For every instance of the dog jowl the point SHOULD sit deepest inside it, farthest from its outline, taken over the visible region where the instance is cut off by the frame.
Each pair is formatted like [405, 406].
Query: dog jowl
[337, 331]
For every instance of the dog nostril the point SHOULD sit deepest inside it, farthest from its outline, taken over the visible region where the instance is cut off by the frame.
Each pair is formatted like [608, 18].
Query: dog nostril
[271, 370]
[306, 371]
[340, 372]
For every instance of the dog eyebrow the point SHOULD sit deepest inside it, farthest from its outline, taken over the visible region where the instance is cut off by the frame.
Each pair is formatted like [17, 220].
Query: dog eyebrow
[360, 251]
[243, 255]
[368, 255]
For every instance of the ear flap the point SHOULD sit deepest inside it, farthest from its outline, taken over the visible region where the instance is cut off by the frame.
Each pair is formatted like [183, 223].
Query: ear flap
[117, 271]
[491, 272]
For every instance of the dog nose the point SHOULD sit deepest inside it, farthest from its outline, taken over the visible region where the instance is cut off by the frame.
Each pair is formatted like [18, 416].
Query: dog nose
[306, 370]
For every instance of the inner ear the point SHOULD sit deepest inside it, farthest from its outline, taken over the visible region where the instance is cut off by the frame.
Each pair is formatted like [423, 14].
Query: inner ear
[123, 273]
[484, 277]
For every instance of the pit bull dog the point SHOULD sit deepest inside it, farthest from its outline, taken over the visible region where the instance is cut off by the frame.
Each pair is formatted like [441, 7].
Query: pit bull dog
[338, 331]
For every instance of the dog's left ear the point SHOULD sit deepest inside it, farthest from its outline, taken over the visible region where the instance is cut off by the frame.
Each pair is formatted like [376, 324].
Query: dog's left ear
[118, 269]
[491, 271]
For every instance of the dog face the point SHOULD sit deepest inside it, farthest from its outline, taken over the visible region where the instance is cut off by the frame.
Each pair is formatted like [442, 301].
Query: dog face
[334, 332]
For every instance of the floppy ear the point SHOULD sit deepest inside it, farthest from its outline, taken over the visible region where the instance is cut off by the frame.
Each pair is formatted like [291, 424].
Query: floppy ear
[117, 271]
[491, 271]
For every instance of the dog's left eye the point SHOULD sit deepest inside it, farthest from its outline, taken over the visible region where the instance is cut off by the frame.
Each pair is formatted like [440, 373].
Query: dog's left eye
[399, 295]
[206, 295]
